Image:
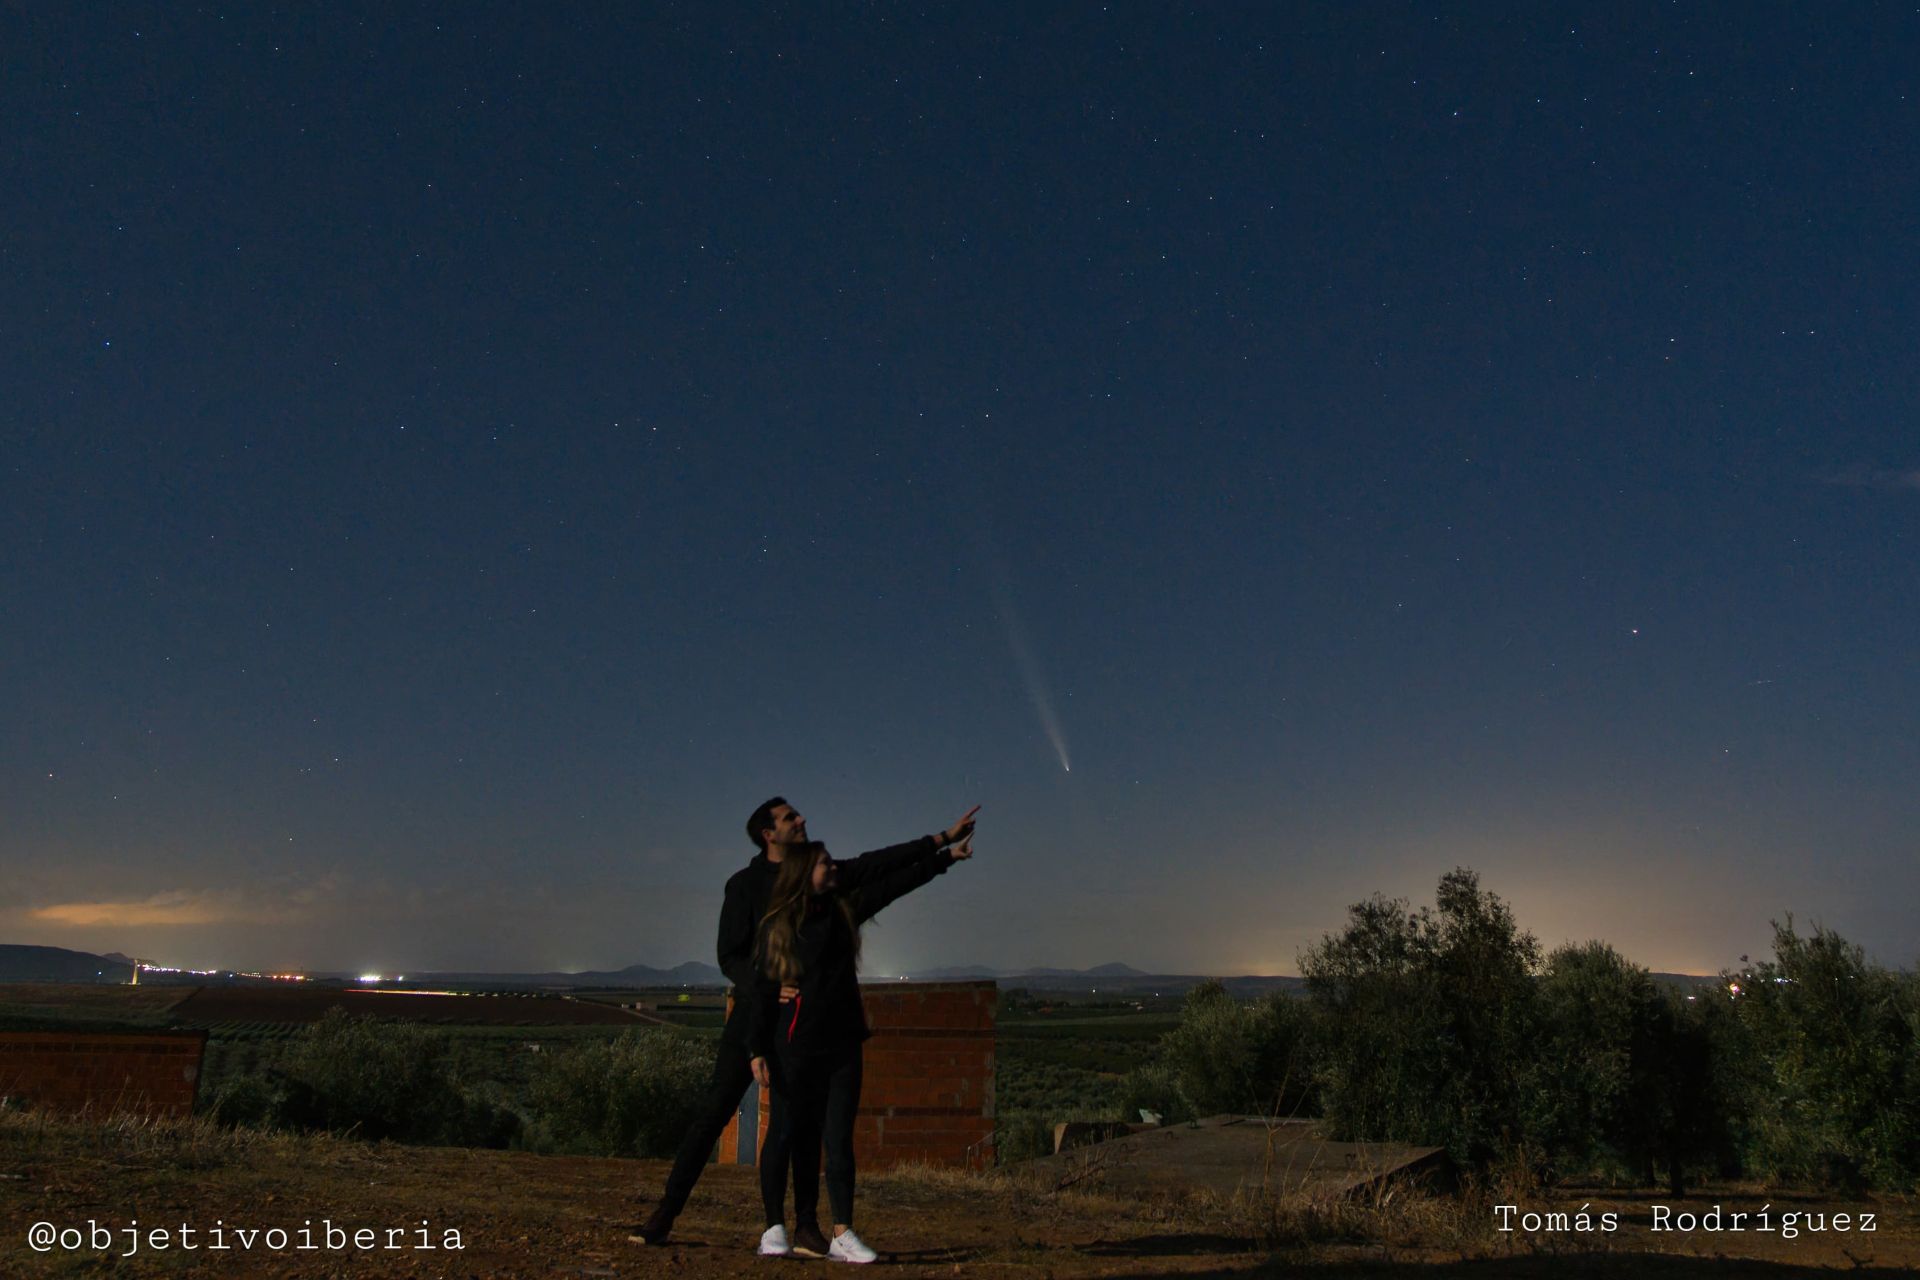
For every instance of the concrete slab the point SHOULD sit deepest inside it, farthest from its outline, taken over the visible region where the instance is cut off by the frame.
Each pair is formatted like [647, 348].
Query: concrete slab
[1234, 1154]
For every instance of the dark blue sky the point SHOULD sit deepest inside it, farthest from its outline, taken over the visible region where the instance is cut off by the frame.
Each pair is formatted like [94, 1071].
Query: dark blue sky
[458, 460]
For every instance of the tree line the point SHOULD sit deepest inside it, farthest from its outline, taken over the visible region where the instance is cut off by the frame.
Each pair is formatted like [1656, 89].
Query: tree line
[1446, 1026]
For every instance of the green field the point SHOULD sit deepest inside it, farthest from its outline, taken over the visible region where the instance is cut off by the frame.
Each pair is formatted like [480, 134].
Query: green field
[1055, 1058]
[1067, 1064]
[505, 1056]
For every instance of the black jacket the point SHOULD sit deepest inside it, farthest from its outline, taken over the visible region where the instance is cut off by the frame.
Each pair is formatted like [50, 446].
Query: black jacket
[748, 890]
[827, 1014]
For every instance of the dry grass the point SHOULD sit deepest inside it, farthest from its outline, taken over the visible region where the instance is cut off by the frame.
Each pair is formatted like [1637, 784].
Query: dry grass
[1388, 1214]
[528, 1215]
[195, 1143]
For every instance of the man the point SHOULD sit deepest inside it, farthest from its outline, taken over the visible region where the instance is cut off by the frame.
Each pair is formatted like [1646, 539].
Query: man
[776, 829]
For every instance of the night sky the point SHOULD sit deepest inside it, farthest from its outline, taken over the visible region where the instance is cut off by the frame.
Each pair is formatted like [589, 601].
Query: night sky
[458, 461]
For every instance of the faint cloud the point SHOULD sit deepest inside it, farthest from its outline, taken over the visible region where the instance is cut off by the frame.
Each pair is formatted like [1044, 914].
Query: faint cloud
[1882, 478]
[179, 907]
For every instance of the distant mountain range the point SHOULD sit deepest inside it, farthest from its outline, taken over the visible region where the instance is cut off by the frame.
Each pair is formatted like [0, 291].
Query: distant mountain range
[55, 964]
[1119, 979]
[690, 974]
[1114, 970]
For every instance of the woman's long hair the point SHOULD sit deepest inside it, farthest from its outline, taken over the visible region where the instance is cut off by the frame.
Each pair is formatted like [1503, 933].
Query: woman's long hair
[787, 910]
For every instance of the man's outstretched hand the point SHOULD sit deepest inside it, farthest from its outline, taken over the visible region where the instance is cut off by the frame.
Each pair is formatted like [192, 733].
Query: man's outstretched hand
[962, 851]
[960, 830]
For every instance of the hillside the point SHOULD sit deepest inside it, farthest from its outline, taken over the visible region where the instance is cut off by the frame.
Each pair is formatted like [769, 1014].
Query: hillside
[20, 963]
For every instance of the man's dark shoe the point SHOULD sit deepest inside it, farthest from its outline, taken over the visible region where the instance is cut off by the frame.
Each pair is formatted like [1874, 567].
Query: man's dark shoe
[808, 1242]
[654, 1230]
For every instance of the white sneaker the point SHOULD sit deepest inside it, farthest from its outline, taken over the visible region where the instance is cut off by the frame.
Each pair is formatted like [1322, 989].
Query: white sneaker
[848, 1247]
[773, 1242]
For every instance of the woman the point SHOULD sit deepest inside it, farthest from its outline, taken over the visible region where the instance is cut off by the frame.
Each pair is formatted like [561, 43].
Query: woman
[808, 1030]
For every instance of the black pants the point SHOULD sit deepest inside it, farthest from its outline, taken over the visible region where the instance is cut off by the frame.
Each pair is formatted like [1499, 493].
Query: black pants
[732, 1073]
[817, 1098]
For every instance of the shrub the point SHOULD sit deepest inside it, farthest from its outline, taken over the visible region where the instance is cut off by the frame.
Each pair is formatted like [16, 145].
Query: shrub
[1023, 1135]
[250, 1101]
[1596, 1013]
[1428, 1021]
[634, 1095]
[1626, 1071]
[1838, 1040]
[377, 1079]
[1154, 1087]
[1701, 1071]
[1240, 1058]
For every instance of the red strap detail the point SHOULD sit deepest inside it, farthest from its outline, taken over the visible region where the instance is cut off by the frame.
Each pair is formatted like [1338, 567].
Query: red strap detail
[796, 1017]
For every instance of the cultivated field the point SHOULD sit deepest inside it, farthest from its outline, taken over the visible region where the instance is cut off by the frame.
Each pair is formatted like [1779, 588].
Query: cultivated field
[217, 1006]
[32, 1003]
[1054, 1062]
[494, 1036]
[1066, 1064]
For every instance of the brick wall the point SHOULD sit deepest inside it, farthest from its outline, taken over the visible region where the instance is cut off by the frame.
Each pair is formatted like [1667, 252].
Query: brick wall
[153, 1074]
[926, 1093]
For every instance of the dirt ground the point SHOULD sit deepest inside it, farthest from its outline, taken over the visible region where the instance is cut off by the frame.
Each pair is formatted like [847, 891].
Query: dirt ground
[520, 1215]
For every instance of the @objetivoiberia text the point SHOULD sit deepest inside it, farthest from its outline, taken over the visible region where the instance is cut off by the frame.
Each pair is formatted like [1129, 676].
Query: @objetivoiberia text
[324, 1236]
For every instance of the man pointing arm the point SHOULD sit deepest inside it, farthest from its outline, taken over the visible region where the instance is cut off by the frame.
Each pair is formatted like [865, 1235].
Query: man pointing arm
[776, 829]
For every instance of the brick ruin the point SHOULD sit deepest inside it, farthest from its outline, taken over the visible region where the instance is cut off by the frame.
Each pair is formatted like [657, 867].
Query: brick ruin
[147, 1073]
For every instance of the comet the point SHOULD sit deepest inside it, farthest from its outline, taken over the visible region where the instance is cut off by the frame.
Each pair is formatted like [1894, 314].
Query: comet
[1030, 673]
